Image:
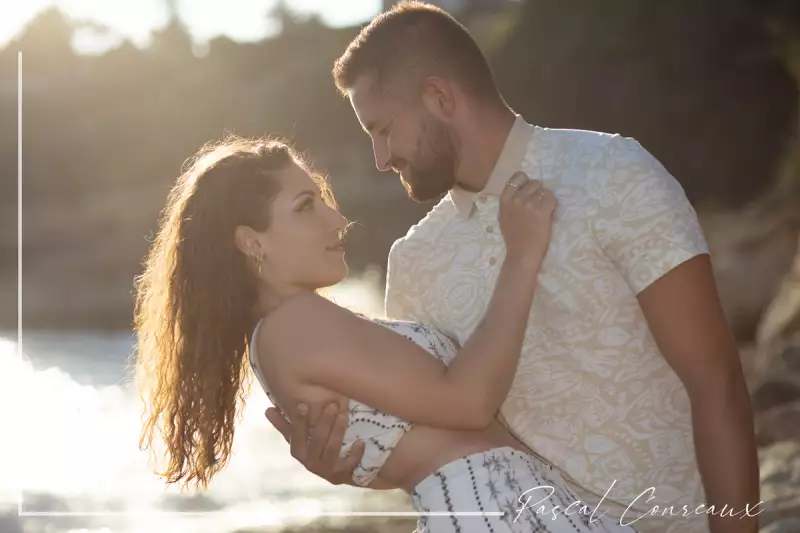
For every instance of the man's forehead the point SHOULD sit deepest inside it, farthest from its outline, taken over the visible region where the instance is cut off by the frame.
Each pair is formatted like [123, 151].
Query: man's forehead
[364, 92]
[369, 103]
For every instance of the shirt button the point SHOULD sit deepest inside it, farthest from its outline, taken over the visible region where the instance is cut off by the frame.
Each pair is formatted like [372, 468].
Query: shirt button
[489, 229]
[492, 261]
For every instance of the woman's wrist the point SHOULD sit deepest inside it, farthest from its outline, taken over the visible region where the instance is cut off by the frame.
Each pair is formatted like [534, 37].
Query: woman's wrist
[524, 262]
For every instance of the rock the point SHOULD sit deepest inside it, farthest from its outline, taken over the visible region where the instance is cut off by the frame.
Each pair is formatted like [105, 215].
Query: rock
[778, 335]
[779, 423]
[780, 484]
[751, 254]
[364, 525]
[790, 525]
[780, 384]
[773, 368]
[783, 314]
[10, 522]
[792, 358]
[778, 389]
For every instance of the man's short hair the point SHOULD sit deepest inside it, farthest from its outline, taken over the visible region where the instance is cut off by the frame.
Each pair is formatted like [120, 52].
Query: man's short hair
[414, 39]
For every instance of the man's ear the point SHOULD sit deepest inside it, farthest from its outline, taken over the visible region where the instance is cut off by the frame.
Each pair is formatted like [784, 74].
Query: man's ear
[439, 98]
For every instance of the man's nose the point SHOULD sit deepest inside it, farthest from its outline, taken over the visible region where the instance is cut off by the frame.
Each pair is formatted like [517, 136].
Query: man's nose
[382, 157]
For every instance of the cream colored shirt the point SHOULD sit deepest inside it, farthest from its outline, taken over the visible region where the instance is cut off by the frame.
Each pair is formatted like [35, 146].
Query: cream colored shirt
[592, 394]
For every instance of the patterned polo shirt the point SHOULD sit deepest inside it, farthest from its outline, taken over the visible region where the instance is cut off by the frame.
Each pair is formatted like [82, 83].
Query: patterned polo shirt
[592, 395]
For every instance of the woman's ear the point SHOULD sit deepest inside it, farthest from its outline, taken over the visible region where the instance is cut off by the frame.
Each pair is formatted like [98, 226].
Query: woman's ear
[247, 241]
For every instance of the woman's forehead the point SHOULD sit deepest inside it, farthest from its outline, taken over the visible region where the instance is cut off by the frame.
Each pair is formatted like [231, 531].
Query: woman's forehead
[296, 178]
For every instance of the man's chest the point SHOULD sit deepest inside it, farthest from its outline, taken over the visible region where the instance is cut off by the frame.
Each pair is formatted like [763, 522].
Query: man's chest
[449, 273]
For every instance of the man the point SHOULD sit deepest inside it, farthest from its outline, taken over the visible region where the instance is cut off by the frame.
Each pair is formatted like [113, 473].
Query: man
[629, 379]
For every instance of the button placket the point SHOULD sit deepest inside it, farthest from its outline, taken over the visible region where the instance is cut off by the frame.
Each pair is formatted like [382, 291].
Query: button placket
[487, 215]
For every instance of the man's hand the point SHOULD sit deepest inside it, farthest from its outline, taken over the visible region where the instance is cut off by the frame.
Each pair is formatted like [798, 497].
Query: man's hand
[319, 451]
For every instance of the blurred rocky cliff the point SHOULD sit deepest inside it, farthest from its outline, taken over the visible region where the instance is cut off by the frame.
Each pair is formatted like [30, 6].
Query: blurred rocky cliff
[708, 87]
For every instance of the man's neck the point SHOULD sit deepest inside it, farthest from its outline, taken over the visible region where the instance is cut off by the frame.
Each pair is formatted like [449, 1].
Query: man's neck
[481, 146]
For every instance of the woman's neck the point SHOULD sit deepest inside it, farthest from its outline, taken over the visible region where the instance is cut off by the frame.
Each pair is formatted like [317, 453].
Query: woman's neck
[271, 298]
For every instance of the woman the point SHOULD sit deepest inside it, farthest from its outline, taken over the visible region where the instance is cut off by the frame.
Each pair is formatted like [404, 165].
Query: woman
[248, 236]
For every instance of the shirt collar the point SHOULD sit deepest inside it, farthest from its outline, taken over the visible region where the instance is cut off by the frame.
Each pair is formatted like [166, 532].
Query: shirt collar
[509, 162]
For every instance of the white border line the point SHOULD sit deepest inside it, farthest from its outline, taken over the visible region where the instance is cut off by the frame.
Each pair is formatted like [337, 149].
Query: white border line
[288, 515]
[20, 354]
[19, 230]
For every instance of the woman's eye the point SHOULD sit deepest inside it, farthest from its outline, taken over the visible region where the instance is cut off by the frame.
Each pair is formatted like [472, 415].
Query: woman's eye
[306, 206]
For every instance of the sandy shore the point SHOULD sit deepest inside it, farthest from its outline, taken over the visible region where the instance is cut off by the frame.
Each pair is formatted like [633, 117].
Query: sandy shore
[360, 525]
[351, 525]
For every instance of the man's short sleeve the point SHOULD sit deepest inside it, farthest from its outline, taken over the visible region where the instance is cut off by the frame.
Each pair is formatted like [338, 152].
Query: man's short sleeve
[644, 222]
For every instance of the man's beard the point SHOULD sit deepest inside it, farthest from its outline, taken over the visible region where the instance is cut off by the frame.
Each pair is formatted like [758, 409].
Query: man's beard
[433, 171]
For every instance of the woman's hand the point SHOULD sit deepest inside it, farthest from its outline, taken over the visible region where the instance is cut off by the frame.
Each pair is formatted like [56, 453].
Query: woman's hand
[525, 217]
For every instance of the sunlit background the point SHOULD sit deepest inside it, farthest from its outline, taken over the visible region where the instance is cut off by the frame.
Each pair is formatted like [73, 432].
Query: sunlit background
[118, 93]
[109, 23]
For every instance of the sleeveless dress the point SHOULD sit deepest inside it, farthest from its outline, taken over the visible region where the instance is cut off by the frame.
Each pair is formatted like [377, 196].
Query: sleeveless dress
[501, 490]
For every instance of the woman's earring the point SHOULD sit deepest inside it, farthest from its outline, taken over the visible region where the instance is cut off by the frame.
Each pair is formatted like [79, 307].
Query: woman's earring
[259, 259]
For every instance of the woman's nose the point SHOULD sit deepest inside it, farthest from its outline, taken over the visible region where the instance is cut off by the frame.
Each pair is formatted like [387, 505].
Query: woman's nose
[337, 219]
[341, 221]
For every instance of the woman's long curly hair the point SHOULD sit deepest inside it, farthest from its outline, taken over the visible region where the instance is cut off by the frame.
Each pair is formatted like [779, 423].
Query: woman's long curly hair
[196, 304]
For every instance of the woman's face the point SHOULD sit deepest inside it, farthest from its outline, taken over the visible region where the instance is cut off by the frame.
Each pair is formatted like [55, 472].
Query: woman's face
[302, 246]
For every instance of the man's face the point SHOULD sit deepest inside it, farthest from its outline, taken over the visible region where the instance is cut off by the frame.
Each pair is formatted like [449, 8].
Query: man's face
[408, 139]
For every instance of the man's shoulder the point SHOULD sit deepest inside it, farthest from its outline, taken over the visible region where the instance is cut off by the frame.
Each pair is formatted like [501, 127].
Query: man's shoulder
[566, 138]
[424, 230]
[587, 151]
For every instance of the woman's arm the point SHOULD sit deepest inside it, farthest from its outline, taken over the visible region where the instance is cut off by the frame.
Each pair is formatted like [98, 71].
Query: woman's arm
[377, 484]
[328, 346]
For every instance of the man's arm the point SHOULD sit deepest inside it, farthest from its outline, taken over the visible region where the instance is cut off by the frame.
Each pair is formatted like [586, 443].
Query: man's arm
[649, 230]
[686, 320]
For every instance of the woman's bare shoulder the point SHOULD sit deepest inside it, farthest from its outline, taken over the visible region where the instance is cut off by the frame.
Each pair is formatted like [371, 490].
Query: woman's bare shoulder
[305, 318]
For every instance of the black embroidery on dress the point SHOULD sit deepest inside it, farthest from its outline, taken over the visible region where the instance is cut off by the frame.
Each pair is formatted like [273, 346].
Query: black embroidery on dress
[448, 502]
[476, 493]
